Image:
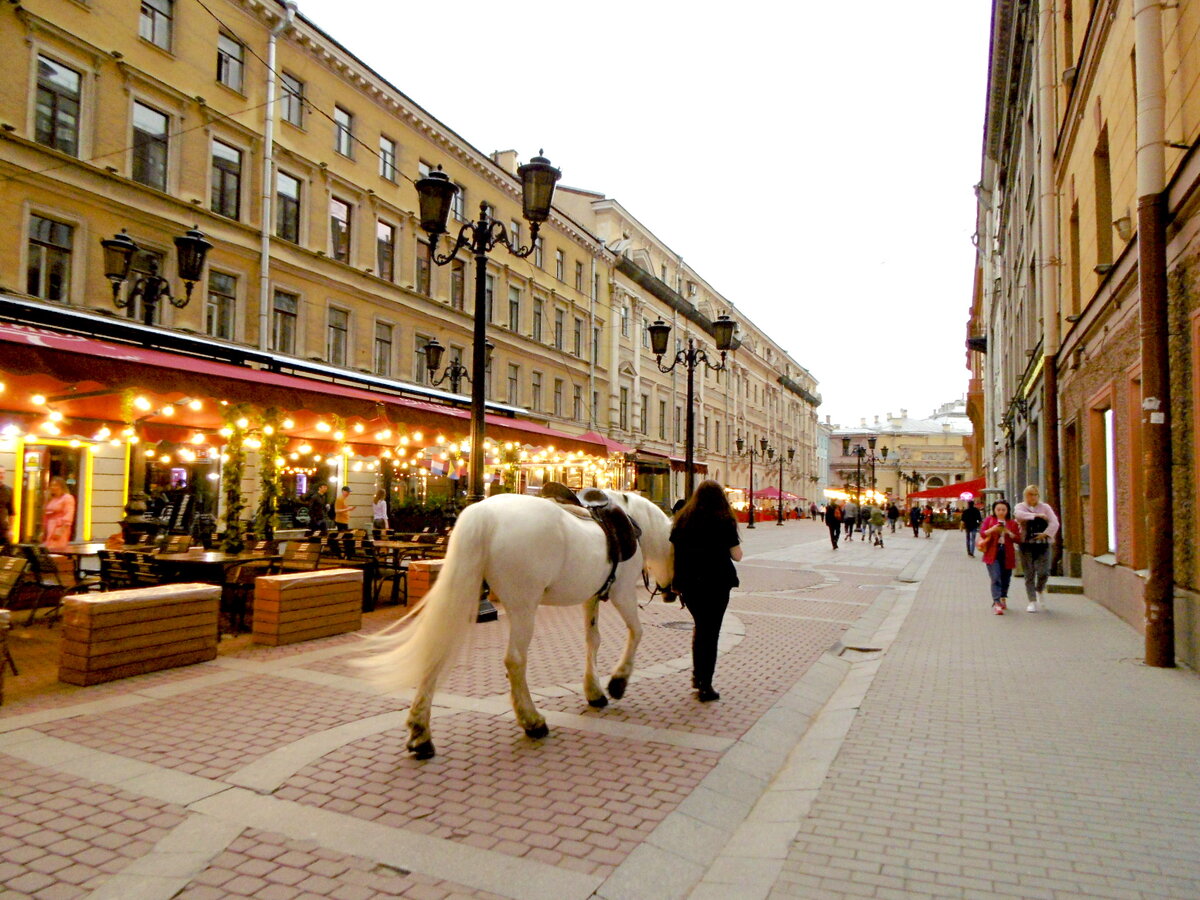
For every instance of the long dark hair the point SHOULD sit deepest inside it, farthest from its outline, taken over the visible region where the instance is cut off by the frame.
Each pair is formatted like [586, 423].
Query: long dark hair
[707, 506]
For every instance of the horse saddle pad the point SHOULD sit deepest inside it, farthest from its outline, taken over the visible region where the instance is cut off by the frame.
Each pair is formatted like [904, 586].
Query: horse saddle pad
[620, 531]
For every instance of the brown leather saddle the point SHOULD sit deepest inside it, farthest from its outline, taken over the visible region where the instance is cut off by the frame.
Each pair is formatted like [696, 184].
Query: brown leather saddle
[621, 533]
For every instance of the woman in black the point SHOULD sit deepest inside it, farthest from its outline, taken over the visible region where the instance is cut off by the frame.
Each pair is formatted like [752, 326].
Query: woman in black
[706, 543]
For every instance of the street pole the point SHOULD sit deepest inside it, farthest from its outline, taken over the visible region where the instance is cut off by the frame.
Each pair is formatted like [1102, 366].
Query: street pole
[750, 514]
[689, 465]
[779, 501]
[478, 361]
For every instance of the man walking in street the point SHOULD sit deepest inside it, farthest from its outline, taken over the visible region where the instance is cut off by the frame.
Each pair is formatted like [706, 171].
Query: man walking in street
[833, 521]
[971, 518]
[914, 519]
[849, 518]
[893, 513]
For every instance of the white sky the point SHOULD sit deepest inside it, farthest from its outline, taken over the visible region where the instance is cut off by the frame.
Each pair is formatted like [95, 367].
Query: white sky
[814, 161]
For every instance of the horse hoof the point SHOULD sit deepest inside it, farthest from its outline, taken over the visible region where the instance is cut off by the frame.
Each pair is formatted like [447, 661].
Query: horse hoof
[598, 703]
[423, 750]
[616, 688]
[537, 731]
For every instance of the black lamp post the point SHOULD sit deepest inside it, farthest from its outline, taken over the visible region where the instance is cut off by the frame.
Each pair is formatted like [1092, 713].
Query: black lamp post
[691, 357]
[455, 371]
[191, 249]
[883, 455]
[791, 454]
[435, 192]
[858, 452]
[751, 452]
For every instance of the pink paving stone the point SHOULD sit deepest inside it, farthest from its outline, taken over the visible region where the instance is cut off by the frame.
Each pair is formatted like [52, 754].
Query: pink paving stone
[244, 885]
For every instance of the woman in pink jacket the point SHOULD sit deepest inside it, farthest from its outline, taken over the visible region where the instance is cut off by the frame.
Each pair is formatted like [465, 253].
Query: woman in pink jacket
[1000, 535]
[1039, 525]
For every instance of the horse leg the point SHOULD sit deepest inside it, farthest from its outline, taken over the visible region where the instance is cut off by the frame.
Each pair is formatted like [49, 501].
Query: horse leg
[591, 687]
[420, 741]
[520, 633]
[626, 605]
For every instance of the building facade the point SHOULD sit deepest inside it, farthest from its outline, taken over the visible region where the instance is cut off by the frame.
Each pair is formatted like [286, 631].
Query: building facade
[1085, 299]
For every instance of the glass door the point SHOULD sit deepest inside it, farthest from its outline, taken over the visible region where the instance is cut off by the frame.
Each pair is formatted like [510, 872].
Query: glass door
[42, 462]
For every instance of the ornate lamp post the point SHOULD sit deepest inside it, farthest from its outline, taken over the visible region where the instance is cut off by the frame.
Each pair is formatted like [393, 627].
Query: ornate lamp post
[435, 192]
[791, 454]
[191, 249]
[858, 452]
[691, 357]
[883, 455]
[751, 452]
[455, 371]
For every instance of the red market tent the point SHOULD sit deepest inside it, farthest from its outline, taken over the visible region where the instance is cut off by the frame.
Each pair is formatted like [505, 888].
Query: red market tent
[772, 493]
[952, 491]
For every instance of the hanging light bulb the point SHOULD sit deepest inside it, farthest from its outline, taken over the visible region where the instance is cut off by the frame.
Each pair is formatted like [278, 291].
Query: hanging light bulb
[287, 424]
[359, 428]
[134, 439]
[195, 405]
[243, 422]
[279, 461]
[268, 430]
[167, 410]
[103, 433]
[417, 436]
[323, 426]
[141, 403]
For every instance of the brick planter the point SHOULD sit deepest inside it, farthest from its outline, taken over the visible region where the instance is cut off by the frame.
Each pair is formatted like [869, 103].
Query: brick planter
[304, 606]
[422, 575]
[117, 634]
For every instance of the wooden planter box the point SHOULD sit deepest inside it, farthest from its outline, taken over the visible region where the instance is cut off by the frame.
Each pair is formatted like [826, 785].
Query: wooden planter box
[5, 623]
[117, 634]
[422, 575]
[304, 606]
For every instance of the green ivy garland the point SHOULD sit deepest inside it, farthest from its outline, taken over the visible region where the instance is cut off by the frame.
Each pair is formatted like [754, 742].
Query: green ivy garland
[231, 477]
[266, 519]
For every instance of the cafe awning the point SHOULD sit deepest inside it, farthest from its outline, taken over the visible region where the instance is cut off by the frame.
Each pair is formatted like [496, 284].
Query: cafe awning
[955, 491]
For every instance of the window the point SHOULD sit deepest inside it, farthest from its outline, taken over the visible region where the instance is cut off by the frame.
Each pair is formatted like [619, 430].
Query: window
[149, 146]
[678, 427]
[662, 420]
[226, 180]
[1103, 185]
[577, 403]
[514, 385]
[579, 276]
[287, 207]
[343, 131]
[514, 309]
[646, 333]
[337, 333]
[624, 321]
[560, 265]
[383, 349]
[623, 410]
[458, 280]
[538, 259]
[145, 263]
[420, 374]
[57, 114]
[489, 295]
[536, 394]
[219, 305]
[558, 397]
[339, 229]
[231, 62]
[423, 168]
[49, 270]
[596, 343]
[423, 271]
[704, 435]
[514, 233]
[578, 337]
[385, 250]
[292, 99]
[1110, 482]
[154, 24]
[283, 322]
[595, 285]
[387, 158]
[539, 307]
[644, 423]
[717, 436]
[559, 321]
[458, 205]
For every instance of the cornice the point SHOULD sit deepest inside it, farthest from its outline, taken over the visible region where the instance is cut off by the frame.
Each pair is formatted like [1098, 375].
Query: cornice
[36, 25]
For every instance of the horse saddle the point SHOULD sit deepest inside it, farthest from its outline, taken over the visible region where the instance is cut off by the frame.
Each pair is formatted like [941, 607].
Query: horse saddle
[621, 533]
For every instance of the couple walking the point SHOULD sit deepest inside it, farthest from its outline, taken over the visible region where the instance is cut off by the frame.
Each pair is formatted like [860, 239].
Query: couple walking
[1028, 530]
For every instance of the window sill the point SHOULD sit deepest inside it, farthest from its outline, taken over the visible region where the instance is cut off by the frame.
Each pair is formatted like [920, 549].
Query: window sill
[1106, 559]
[166, 51]
[236, 91]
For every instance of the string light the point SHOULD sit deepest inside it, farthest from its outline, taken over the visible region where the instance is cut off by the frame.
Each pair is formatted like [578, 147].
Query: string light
[243, 423]
[55, 416]
[359, 428]
[142, 403]
[168, 410]
[288, 424]
[323, 426]
[195, 405]
[38, 399]
[268, 430]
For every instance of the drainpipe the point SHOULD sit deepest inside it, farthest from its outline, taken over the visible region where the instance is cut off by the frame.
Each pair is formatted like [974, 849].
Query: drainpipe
[1152, 284]
[268, 196]
[1049, 258]
[592, 348]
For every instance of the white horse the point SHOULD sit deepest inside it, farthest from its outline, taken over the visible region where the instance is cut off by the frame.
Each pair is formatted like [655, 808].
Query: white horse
[530, 551]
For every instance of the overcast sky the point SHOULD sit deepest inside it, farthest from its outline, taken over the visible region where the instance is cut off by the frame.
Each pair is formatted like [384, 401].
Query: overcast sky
[813, 161]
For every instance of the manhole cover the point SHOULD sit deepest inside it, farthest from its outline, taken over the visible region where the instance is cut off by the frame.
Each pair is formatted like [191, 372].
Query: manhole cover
[679, 626]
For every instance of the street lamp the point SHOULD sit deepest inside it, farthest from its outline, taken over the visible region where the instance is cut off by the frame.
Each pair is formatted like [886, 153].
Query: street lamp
[873, 459]
[455, 371]
[791, 454]
[191, 250]
[751, 452]
[436, 192]
[691, 357]
[858, 452]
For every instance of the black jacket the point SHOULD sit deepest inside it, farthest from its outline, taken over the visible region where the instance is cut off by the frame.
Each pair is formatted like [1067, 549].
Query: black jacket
[971, 518]
[702, 560]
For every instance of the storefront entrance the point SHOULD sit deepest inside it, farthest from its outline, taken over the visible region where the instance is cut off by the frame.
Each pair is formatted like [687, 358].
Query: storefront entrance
[40, 463]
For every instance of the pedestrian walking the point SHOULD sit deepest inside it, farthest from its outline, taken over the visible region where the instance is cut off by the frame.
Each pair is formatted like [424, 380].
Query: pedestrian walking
[379, 513]
[914, 519]
[705, 536]
[876, 522]
[849, 518]
[864, 518]
[927, 520]
[1001, 534]
[318, 509]
[971, 520]
[58, 517]
[1039, 525]
[893, 515]
[833, 521]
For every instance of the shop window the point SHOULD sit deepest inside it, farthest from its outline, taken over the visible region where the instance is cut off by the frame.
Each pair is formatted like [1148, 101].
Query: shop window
[40, 463]
[56, 121]
[48, 271]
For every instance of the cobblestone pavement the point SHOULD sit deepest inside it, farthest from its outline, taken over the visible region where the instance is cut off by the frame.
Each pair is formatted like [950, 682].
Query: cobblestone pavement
[277, 773]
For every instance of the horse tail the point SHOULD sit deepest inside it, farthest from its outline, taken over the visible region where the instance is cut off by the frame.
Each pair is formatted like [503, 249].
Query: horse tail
[433, 632]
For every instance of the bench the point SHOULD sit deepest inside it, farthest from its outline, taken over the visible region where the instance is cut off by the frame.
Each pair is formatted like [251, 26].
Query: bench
[422, 575]
[117, 634]
[303, 606]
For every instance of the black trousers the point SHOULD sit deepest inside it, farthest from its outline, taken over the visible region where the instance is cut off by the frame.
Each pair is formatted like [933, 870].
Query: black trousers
[835, 531]
[707, 607]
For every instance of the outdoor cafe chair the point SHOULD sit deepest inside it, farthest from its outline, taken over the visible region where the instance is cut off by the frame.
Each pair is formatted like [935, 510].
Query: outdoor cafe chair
[44, 575]
[12, 568]
[114, 573]
[237, 591]
[302, 556]
[177, 543]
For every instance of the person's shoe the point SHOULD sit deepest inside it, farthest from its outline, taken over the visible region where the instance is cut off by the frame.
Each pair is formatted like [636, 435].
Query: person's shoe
[997, 608]
[1032, 607]
[1003, 603]
[1041, 600]
[707, 695]
[695, 682]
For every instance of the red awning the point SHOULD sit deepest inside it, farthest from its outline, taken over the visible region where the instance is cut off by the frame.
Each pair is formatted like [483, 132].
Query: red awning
[952, 491]
[87, 375]
[772, 493]
[612, 446]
